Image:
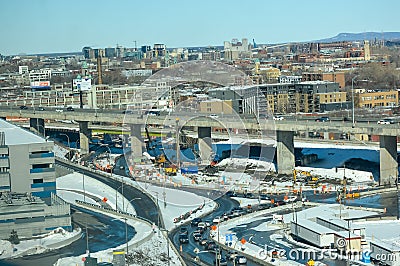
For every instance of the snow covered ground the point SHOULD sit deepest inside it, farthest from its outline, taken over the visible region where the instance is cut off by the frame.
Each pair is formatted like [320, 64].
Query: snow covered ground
[322, 210]
[386, 231]
[44, 243]
[154, 249]
[178, 202]
[70, 187]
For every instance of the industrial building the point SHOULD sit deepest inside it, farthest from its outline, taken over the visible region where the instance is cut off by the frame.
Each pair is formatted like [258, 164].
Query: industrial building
[323, 233]
[26, 162]
[385, 253]
[30, 216]
[313, 233]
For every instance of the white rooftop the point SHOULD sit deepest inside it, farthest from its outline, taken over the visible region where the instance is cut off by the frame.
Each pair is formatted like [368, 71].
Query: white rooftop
[313, 226]
[15, 135]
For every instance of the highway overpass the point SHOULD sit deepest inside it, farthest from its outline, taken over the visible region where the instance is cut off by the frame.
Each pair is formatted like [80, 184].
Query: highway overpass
[283, 129]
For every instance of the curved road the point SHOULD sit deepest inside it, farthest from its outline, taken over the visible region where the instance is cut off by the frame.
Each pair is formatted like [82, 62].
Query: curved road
[145, 208]
[225, 205]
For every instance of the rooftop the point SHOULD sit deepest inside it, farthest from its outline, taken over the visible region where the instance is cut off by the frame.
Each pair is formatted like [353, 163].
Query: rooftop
[15, 135]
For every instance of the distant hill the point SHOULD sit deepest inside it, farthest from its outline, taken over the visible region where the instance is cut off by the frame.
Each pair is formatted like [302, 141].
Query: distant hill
[362, 36]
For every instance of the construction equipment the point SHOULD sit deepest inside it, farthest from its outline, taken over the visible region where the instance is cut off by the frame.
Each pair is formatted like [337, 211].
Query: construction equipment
[155, 149]
[306, 177]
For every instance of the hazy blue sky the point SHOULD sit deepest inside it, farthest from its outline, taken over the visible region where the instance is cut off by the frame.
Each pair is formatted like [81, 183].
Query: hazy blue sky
[39, 26]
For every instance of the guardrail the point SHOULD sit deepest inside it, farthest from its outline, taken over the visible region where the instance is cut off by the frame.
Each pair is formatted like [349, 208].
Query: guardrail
[123, 215]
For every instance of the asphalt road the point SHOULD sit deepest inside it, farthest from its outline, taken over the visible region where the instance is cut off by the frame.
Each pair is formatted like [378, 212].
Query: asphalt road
[225, 205]
[145, 207]
[104, 232]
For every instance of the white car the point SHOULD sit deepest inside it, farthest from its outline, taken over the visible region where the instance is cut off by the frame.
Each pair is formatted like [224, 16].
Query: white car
[217, 220]
[278, 117]
[213, 116]
[385, 121]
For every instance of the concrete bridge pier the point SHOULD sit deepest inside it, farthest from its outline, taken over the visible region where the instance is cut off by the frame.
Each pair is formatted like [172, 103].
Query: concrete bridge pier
[84, 136]
[285, 152]
[388, 160]
[37, 125]
[136, 140]
[205, 148]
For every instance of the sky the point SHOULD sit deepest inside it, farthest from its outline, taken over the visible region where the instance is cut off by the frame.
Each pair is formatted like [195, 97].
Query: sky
[46, 26]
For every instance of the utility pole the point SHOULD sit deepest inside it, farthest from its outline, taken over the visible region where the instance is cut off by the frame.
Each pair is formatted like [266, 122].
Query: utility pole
[178, 152]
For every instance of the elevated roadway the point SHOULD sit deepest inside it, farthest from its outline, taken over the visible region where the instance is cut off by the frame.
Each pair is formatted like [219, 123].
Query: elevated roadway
[283, 129]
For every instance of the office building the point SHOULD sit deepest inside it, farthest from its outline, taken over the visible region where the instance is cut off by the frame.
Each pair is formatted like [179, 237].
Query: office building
[26, 162]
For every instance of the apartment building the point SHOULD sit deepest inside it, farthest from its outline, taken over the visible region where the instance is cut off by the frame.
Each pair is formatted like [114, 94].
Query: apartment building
[384, 98]
[302, 97]
[325, 76]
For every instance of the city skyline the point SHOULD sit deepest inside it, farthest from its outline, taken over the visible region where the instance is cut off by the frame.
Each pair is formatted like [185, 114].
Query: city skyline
[66, 26]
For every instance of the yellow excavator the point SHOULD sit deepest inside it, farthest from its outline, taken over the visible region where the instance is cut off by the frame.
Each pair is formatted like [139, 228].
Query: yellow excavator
[308, 178]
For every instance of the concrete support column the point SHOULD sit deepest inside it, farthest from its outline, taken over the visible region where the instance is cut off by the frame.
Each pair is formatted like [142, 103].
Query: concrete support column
[388, 160]
[204, 137]
[285, 152]
[84, 136]
[37, 125]
[136, 140]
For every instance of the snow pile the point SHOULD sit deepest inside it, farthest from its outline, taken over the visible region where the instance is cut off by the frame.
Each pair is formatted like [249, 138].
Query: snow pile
[246, 163]
[338, 173]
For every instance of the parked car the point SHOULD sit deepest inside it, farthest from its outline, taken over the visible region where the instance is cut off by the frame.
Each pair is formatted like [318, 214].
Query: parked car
[264, 197]
[183, 238]
[23, 107]
[41, 109]
[207, 222]
[241, 260]
[197, 236]
[202, 225]
[231, 255]
[127, 111]
[203, 241]
[195, 222]
[70, 108]
[278, 117]
[59, 110]
[385, 121]
[217, 220]
[231, 193]
[323, 119]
